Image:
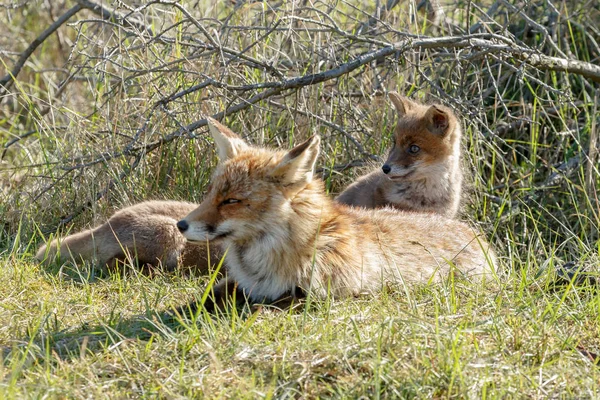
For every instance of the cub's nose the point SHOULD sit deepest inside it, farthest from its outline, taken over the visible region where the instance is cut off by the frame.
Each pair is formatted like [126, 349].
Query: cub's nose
[386, 169]
[183, 225]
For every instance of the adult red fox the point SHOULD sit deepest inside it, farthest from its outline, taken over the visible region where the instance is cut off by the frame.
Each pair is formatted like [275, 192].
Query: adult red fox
[144, 231]
[422, 172]
[282, 232]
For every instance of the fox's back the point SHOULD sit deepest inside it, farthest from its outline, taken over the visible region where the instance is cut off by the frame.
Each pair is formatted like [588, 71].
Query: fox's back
[414, 245]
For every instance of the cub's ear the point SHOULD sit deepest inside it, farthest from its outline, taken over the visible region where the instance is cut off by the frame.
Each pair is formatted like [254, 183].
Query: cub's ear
[401, 103]
[228, 143]
[437, 120]
[296, 169]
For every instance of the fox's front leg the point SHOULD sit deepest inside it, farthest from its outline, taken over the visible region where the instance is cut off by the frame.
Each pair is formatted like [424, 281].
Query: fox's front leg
[223, 294]
[221, 297]
[290, 299]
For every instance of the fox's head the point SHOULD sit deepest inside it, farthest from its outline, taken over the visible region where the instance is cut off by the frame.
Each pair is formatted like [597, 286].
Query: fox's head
[251, 189]
[424, 137]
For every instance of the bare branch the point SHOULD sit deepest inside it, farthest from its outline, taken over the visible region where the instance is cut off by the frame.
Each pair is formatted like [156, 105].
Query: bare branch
[7, 81]
[276, 88]
[380, 13]
[331, 125]
[537, 60]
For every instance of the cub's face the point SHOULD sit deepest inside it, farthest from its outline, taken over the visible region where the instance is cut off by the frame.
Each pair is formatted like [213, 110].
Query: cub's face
[424, 138]
[414, 150]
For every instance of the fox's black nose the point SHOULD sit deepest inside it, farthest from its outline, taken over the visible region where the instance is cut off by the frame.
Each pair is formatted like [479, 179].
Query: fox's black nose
[183, 225]
[386, 169]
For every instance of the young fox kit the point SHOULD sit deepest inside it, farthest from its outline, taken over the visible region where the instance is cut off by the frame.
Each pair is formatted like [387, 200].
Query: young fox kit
[282, 232]
[145, 231]
[422, 172]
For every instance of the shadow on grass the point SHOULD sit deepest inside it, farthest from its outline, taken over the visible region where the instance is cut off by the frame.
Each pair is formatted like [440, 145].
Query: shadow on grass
[46, 344]
[86, 272]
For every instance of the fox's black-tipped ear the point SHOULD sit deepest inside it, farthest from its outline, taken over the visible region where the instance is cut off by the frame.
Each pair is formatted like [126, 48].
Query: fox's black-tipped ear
[228, 143]
[438, 120]
[401, 103]
[297, 167]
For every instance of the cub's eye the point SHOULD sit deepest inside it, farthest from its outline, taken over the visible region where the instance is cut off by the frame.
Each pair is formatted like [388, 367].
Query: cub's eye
[414, 149]
[229, 201]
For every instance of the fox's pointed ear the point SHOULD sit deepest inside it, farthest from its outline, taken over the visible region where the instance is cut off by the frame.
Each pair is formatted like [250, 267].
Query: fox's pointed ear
[228, 143]
[297, 167]
[438, 120]
[401, 103]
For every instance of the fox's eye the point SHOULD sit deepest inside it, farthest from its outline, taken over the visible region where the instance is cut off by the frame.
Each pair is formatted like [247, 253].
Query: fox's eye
[229, 201]
[414, 149]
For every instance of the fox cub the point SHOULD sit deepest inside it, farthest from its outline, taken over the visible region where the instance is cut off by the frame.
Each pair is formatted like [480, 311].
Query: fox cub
[282, 232]
[146, 231]
[422, 172]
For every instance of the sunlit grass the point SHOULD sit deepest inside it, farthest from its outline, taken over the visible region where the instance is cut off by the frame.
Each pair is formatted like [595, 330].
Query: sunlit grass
[80, 332]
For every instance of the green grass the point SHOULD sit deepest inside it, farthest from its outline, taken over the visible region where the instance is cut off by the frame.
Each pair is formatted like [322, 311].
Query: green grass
[105, 338]
[77, 333]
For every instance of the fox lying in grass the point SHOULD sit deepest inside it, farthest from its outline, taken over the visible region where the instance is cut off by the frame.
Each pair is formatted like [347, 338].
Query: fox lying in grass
[422, 172]
[145, 231]
[282, 232]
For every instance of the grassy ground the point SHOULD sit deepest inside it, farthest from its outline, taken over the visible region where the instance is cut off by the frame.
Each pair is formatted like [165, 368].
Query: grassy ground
[519, 338]
[94, 90]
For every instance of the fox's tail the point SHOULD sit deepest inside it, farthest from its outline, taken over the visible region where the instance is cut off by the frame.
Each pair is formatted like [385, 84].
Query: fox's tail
[85, 245]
